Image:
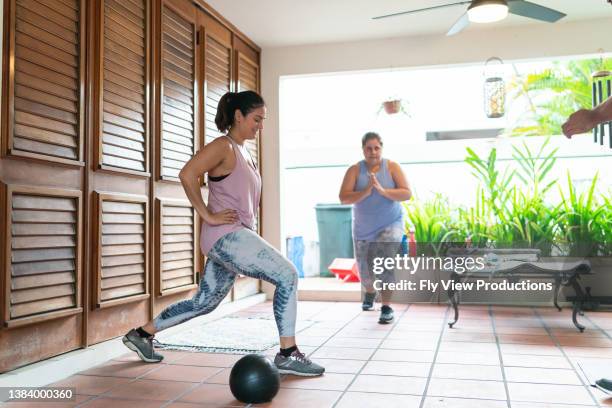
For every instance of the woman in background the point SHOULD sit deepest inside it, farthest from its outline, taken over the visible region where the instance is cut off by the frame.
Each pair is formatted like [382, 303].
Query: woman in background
[375, 186]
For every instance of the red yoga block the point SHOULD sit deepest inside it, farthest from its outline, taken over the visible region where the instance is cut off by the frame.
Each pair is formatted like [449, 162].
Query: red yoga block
[345, 269]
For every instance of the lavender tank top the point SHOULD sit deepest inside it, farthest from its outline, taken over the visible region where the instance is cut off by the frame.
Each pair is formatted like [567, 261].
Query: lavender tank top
[239, 191]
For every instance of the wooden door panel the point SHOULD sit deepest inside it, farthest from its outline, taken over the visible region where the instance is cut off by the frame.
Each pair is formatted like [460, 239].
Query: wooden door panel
[56, 336]
[178, 253]
[178, 92]
[176, 238]
[122, 249]
[217, 68]
[43, 262]
[41, 180]
[45, 112]
[123, 135]
[119, 182]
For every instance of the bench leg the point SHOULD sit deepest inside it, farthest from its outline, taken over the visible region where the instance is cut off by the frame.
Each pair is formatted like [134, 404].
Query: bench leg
[453, 299]
[557, 289]
[574, 319]
[578, 302]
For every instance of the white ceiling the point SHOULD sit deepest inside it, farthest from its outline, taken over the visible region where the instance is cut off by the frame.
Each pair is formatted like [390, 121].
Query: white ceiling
[274, 23]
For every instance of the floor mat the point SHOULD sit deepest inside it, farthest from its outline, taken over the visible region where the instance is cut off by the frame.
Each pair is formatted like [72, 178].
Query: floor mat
[226, 335]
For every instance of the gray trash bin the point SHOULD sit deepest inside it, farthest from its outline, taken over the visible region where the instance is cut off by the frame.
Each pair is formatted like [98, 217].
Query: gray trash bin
[334, 222]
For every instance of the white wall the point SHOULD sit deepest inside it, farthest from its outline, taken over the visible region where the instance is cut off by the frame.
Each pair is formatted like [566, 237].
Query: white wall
[512, 43]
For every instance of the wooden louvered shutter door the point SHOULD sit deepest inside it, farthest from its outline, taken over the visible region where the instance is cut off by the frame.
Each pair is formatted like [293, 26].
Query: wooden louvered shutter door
[44, 254]
[124, 71]
[178, 93]
[217, 68]
[247, 79]
[178, 251]
[122, 244]
[45, 112]
[177, 257]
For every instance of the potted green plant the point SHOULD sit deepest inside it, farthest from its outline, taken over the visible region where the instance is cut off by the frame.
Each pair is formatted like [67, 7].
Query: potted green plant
[394, 105]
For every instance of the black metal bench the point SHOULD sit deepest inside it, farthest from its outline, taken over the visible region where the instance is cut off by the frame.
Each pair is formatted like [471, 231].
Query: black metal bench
[516, 264]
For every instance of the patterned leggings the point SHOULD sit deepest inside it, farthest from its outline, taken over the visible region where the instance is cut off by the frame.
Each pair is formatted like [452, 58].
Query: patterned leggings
[246, 253]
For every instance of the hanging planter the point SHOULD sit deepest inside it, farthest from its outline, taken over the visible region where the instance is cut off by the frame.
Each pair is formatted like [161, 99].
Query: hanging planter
[393, 106]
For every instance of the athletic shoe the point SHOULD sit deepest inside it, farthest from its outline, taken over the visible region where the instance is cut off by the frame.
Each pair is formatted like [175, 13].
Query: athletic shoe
[368, 301]
[605, 385]
[386, 315]
[143, 346]
[297, 364]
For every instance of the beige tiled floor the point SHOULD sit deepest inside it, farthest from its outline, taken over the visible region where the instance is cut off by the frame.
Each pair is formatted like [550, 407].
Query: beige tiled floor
[494, 357]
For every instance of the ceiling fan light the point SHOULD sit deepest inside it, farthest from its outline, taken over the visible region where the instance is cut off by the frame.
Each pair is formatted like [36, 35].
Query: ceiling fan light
[487, 12]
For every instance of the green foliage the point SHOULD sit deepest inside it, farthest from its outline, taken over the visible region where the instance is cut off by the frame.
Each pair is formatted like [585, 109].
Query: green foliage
[473, 224]
[430, 221]
[495, 186]
[604, 225]
[553, 95]
[584, 220]
[528, 221]
[533, 169]
[519, 214]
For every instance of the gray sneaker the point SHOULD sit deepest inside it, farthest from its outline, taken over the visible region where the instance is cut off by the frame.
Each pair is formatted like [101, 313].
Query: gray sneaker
[605, 385]
[143, 346]
[386, 315]
[297, 364]
[368, 301]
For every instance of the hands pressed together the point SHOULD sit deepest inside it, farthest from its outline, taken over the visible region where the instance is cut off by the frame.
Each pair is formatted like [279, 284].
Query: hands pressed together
[374, 184]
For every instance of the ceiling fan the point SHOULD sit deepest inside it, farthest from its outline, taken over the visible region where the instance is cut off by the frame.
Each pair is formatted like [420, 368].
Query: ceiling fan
[488, 11]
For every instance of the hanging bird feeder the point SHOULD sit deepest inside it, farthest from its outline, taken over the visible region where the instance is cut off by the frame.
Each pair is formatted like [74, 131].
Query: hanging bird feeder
[494, 91]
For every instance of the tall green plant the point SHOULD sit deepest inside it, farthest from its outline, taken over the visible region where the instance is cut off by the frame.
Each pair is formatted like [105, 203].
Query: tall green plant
[534, 168]
[528, 220]
[431, 222]
[495, 186]
[605, 226]
[583, 220]
[519, 214]
[553, 94]
[474, 222]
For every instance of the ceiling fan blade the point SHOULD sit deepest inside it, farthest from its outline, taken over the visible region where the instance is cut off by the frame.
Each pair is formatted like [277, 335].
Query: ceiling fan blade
[459, 25]
[419, 10]
[535, 11]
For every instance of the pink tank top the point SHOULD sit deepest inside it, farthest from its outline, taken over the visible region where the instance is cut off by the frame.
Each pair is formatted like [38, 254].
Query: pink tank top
[239, 191]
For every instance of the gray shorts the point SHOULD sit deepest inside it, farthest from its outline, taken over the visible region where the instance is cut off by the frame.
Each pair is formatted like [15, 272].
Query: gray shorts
[387, 244]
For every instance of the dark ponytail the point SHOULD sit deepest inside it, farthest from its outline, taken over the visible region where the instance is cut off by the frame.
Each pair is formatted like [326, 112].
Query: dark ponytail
[245, 101]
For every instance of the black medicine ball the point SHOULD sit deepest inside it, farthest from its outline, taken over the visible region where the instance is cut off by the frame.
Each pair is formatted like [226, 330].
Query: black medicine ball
[254, 379]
